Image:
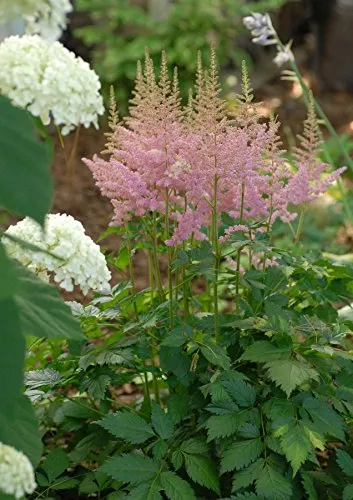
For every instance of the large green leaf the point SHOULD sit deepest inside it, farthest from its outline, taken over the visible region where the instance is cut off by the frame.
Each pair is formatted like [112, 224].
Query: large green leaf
[348, 492]
[133, 469]
[345, 462]
[296, 445]
[55, 464]
[22, 430]
[128, 426]
[242, 393]
[176, 488]
[215, 354]
[42, 312]
[289, 373]
[240, 454]
[326, 420]
[263, 351]
[8, 281]
[202, 471]
[162, 422]
[12, 355]
[247, 476]
[273, 485]
[26, 185]
[225, 425]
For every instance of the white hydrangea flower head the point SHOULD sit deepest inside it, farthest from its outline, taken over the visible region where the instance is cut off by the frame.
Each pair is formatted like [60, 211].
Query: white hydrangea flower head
[47, 18]
[50, 82]
[16, 472]
[81, 261]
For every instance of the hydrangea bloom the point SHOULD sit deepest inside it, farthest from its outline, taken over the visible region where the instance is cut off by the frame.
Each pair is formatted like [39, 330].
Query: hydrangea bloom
[81, 261]
[47, 18]
[50, 82]
[16, 472]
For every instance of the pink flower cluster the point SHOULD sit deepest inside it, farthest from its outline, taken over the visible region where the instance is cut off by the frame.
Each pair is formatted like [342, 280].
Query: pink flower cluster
[200, 161]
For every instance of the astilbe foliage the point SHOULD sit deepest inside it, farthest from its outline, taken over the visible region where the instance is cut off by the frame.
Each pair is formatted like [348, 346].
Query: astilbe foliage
[205, 160]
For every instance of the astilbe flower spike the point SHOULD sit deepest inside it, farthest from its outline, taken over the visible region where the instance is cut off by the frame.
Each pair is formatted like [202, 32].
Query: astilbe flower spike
[205, 160]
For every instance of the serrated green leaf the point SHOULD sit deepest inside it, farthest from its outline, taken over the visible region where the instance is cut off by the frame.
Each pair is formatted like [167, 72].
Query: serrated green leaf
[159, 449]
[38, 378]
[176, 488]
[202, 471]
[65, 483]
[178, 406]
[308, 486]
[106, 357]
[289, 373]
[263, 351]
[348, 492]
[240, 454]
[127, 426]
[249, 431]
[326, 420]
[345, 462]
[55, 464]
[146, 491]
[162, 422]
[241, 392]
[196, 446]
[177, 459]
[225, 425]
[246, 477]
[42, 312]
[273, 485]
[296, 445]
[134, 469]
[215, 354]
[97, 386]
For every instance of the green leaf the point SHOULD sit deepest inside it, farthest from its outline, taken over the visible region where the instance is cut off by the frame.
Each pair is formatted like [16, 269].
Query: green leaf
[178, 406]
[42, 312]
[146, 491]
[215, 354]
[130, 468]
[348, 492]
[196, 446]
[106, 357]
[289, 373]
[326, 420]
[96, 387]
[12, 356]
[225, 425]
[345, 462]
[308, 486]
[26, 185]
[241, 392]
[159, 450]
[162, 422]
[22, 430]
[8, 282]
[296, 445]
[248, 476]
[273, 485]
[55, 464]
[202, 471]
[176, 488]
[127, 426]
[263, 352]
[241, 454]
[65, 483]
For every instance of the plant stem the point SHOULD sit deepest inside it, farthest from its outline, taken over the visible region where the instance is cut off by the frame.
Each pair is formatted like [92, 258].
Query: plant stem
[155, 259]
[300, 225]
[169, 253]
[131, 271]
[150, 274]
[217, 256]
[241, 217]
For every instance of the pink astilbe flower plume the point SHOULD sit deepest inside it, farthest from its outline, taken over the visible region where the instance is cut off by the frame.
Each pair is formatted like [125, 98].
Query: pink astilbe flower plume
[192, 164]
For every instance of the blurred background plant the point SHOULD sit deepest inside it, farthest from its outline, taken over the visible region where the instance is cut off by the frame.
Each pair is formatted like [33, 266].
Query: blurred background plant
[120, 30]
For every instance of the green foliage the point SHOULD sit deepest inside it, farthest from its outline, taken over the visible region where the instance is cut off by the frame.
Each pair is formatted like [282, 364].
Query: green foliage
[121, 30]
